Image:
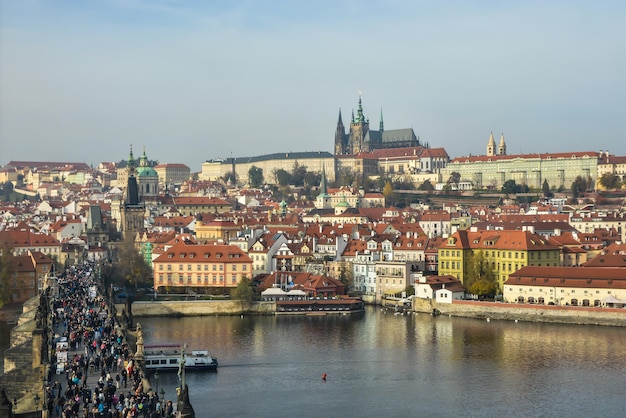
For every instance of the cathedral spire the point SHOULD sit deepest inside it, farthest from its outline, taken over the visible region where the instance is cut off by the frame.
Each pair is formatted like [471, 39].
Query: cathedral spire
[382, 126]
[359, 113]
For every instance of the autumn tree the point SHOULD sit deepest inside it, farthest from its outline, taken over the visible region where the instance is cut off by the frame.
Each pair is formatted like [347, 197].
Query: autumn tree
[480, 278]
[128, 269]
[610, 181]
[388, 190]
[244, 291]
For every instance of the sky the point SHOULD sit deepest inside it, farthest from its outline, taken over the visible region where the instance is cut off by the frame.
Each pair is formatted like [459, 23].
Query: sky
[194, 80]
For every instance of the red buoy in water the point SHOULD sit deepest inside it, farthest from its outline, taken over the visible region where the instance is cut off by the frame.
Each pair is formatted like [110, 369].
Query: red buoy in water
[324, 376]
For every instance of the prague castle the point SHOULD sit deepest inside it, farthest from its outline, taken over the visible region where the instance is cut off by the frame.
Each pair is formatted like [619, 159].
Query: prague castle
[361, 138]
[492, 170]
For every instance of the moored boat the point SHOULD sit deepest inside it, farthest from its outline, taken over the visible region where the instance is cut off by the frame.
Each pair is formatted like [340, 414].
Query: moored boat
[169, 357]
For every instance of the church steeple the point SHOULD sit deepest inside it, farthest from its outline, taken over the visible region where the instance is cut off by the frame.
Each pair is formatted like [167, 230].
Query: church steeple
[491, 146]
[382, 126]
[340, 137]
[323, 184]
[502, 146]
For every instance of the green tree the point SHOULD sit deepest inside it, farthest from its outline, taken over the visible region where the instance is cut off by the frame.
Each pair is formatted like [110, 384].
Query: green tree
[312, 179]
[6, 270]
[545, 188]
[510, 187]
[610, 181]
[480, 278]
[579, 186]
[230, 176]
[426, 185]
[282, 176]
[297, 175]
[255, 176]
[455, 178]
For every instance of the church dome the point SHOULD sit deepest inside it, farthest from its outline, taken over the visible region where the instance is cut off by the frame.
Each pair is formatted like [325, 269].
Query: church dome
[146, 172]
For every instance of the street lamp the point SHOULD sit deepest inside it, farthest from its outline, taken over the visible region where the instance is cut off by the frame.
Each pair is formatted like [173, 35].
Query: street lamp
[156, 379]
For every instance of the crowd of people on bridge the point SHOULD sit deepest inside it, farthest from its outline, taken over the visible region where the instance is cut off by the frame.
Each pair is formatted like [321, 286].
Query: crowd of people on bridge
[96, 377]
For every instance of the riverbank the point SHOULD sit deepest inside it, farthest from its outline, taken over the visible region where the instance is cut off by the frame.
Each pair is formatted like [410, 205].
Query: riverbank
[574, 315]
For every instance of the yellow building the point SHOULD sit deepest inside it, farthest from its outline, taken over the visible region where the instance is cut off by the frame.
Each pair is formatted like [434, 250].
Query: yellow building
[201, 267]
[504, 252]
[217, 230]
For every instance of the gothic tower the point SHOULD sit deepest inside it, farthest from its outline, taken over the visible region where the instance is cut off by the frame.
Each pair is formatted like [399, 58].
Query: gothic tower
[132, 210]
[491, 146]
[502, 146]
[358, 129]
[341, 138]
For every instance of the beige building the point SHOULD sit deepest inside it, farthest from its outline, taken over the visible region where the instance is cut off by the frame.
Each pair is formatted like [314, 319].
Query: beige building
[491, 171]
[172, 173]
[586, 286]
[314, 162]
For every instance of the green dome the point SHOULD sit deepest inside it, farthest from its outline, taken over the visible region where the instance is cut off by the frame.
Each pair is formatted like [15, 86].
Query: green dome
[146, 172]
[343, 204]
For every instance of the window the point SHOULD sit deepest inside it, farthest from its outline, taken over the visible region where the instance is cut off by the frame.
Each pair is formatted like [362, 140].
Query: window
[234, 279]
[234, 267]
[169, 267]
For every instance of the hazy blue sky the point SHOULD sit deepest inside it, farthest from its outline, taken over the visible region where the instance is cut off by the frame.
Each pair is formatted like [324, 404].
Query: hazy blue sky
[195, 80]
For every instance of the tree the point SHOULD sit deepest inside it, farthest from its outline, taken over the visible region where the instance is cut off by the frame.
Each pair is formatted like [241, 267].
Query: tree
[480, 278]
[610, 181]
[345, 277]
[426, 185]
[244, 291]
[297, 175]
[388, 190]
[545, 188]
[255, 176]
[312, 179]
[510, 187]
[230, 176]
[455, 178]
[6, 269]
[579, 186]
[282, 176]
[129, 268]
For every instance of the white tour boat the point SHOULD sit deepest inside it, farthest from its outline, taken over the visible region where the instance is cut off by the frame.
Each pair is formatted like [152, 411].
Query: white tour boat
[168, 357]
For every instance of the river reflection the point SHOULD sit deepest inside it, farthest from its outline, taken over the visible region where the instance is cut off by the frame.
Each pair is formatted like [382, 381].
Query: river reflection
[380, 364]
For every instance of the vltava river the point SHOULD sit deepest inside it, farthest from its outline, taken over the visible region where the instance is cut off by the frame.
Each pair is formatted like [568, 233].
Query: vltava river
[382, 365]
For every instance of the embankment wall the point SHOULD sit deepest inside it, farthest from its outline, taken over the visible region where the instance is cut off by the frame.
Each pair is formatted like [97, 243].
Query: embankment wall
[529, 313]
[199, 308]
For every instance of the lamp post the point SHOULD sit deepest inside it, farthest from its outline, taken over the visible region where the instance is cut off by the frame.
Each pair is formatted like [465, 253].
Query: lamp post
[156, 379]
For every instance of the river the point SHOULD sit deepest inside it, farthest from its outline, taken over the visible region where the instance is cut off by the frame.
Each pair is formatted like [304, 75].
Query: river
[380, 364]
